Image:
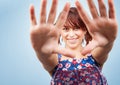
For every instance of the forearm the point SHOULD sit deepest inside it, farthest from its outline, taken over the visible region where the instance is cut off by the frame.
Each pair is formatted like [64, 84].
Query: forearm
[48, 61]
[101, 53]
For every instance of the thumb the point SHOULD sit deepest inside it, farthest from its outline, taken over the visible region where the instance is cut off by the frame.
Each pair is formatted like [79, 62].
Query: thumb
[64, 51]
[87, 50]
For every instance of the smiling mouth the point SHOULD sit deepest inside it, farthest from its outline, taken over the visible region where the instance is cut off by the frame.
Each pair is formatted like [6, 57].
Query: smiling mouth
[72, 38]
[72, 41]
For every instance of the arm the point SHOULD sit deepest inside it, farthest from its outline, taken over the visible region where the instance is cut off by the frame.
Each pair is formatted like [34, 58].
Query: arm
[101, 27]
[44, 35]
[101, 53]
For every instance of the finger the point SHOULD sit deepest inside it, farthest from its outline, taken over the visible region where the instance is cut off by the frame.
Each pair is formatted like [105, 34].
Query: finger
[102, 8]
[43, 11]
[64, 51]
[88, 49]
[86, 19]
[63, 16]
[111, 9]
[92, 8]
[32, 15]
[52, 13]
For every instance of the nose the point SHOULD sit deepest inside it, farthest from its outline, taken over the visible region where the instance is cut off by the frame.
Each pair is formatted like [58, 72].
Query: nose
[71, 33]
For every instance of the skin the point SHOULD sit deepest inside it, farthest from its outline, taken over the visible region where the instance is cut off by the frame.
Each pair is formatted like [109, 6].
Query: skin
[44, 34]
[72, 38]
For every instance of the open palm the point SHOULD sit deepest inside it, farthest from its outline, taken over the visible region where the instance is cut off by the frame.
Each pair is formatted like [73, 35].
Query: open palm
[101, 27]
[45, 35]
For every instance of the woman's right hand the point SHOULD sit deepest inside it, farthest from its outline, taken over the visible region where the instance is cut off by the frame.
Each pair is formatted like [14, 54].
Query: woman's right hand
[45, 34]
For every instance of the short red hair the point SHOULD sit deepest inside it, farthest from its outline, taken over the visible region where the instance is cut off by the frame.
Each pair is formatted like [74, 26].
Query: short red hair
[74, 20]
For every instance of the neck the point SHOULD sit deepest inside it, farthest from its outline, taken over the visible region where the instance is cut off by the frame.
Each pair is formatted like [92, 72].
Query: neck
[76, 51]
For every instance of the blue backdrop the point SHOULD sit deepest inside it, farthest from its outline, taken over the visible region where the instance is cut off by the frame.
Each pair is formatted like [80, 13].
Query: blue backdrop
[18, 62]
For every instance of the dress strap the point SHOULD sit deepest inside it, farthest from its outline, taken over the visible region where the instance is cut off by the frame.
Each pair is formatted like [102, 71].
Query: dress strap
[59, 57]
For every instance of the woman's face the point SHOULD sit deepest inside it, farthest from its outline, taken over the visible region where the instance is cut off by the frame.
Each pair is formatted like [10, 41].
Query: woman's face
[72, 37]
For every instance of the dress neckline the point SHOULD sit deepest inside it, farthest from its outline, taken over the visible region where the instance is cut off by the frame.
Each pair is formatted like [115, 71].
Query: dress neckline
[71, 59]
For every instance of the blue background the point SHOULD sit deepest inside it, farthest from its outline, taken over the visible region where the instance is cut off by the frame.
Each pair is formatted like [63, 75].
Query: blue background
[18, 62]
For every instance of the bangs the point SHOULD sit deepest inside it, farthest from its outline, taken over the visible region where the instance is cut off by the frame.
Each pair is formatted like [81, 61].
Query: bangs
[74, 20]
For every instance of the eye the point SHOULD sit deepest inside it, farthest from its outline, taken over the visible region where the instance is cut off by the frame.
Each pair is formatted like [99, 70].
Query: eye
[65, 28]
[76, 28]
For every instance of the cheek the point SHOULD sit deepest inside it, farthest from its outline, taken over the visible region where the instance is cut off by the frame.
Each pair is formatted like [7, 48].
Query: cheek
[80, 33]
[63, 34]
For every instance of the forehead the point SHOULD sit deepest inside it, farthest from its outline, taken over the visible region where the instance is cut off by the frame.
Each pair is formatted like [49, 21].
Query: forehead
[72, 25]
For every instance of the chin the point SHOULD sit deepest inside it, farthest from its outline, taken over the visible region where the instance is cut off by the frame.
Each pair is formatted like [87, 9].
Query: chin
[73, 46]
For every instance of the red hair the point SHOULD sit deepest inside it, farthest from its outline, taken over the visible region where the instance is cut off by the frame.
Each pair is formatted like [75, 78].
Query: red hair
[74, 20]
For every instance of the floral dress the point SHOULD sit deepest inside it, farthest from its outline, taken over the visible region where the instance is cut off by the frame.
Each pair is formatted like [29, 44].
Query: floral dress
[85, 71]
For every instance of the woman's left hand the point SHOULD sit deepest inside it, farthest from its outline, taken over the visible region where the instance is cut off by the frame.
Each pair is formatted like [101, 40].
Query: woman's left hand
[102, 27]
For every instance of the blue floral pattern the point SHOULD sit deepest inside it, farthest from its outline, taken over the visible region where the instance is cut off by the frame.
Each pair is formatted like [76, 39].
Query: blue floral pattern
[78, 72]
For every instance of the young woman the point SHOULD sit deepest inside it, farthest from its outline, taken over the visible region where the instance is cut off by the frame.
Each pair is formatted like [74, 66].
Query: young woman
[74, 64]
